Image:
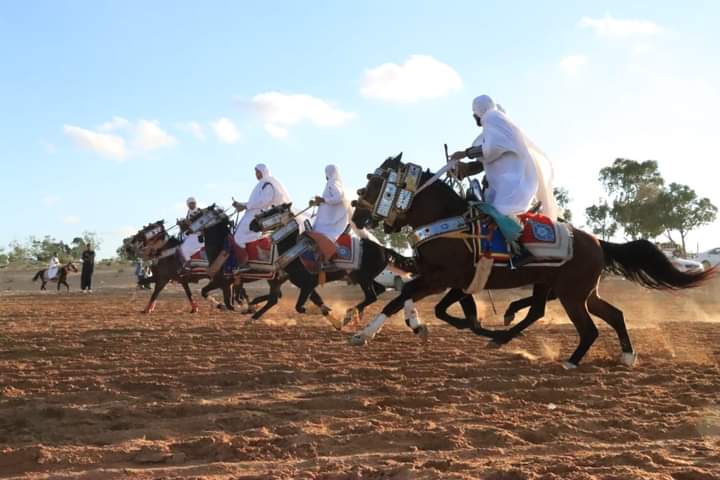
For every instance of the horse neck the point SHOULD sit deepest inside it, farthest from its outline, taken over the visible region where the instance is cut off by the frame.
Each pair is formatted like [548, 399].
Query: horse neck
[214, 239]
[434, 203]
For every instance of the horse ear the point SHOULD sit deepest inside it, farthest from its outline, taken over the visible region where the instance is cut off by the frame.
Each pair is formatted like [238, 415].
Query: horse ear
[398, 158]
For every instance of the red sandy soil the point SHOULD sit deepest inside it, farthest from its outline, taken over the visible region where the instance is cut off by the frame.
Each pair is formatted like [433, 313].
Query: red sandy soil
[90, 388]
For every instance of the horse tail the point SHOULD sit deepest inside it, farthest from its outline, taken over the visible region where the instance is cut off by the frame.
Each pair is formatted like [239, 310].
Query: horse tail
[37, 275]
[643, 262]
[406, 264]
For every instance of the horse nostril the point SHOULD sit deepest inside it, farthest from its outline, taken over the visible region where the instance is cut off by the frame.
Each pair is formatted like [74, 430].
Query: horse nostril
[353, 203]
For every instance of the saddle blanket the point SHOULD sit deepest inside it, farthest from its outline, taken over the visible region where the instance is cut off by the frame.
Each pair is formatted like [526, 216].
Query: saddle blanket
[550, 243]
[260, 255]
[346, 253]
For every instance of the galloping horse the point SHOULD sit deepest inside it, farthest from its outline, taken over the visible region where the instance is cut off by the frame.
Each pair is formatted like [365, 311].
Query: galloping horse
[444, 262]
[373, 258]
[60, 277]
[153, 243]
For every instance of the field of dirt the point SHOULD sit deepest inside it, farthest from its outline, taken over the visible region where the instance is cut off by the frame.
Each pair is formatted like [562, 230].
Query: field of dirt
[90, 388]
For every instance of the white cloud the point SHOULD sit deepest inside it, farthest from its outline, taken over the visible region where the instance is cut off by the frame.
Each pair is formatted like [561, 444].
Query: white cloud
[194, 128]
[106, 144]
[149, 136]
[420, 77]
[275, 131]
[617, 27]
[71, 220]
[280, 111]
[120, 137]
[572, 63]
[117, 123]
[51, 200]
[225, 130]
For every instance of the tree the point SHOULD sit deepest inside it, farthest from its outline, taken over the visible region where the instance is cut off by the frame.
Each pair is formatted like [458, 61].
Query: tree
[635, 189]
[599, 219]
[683, 211]
[397, 241]
[79, 243]
[562, 197]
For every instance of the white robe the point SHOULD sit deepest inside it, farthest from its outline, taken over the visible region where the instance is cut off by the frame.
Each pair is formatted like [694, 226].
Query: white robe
[268, 192]
[516, 170]
[53, 268]
[334, 213]
[192, 244]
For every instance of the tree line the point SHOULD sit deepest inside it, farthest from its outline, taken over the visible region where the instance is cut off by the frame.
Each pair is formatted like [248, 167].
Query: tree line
[34, 250]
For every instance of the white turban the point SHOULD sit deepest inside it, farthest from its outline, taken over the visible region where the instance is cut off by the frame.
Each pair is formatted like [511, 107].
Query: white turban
[332, 173]
[263, 169]
[191, 200]
[483, 104]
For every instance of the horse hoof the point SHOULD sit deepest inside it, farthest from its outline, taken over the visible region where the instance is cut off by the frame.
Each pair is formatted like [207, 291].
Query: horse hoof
[357, 340]
[508, 319]
[300, 310]
[325, 310]
[629, 359]
[569, 365]
[422, 331]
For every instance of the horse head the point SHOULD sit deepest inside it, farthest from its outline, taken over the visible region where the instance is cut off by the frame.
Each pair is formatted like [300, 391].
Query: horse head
[205, 219]
[272, 218]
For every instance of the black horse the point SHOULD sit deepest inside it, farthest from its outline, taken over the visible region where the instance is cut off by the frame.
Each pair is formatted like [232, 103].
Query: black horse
[153, 243]
[60, 277]
[374, 259]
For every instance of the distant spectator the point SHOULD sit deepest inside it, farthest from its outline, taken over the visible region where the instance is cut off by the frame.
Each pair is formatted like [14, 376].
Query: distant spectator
[88, 266]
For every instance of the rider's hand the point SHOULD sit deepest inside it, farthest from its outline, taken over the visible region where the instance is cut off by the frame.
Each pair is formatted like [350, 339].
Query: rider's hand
[239, 206]
[319, 200]
[459, 155]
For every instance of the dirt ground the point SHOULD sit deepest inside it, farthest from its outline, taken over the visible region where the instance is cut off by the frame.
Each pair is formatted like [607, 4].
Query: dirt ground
[90, 388]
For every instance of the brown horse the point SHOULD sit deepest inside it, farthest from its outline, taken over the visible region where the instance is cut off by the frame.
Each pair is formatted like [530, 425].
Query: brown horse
[60, 277]
[445, 263]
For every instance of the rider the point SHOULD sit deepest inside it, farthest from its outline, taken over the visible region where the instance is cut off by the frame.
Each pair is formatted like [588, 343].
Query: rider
[192, 244]
[334, 207]
[516, 170]
[268, 192]
[53, 267]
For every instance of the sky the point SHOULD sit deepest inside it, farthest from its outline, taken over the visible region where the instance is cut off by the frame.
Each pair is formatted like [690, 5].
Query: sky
[113, 113]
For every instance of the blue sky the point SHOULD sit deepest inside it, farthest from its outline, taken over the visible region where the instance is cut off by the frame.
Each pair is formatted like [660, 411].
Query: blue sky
[114, 112]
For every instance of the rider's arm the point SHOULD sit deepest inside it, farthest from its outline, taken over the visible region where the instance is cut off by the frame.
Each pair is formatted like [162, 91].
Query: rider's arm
[264, 199]
[474, 152]
[470, 168]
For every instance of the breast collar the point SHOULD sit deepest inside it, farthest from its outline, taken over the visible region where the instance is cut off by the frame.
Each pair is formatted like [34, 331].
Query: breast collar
[397, 193]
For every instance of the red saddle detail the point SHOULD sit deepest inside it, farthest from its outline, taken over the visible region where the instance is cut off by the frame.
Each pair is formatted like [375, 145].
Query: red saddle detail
[199, 255]
[326, 246]
[259, 249]
[532, 233]
[344, 240]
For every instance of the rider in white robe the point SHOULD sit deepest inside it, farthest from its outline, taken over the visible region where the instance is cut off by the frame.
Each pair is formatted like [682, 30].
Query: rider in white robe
[192, 244]
[268, 192]
[53, 267]
[334, 209]
[516, 170]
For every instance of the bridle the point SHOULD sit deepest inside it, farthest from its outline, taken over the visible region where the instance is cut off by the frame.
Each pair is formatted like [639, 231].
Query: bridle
[399, 189]
[207, 218]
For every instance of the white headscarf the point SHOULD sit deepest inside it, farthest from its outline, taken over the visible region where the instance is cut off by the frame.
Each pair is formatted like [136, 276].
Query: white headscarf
[280, 195]
[508, 136]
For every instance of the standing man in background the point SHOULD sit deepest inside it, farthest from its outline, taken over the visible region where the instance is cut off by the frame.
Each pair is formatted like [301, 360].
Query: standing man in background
[88, 266]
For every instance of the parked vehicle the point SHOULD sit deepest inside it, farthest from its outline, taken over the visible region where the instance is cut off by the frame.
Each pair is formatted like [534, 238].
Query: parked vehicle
[686, 265]
[710, 259]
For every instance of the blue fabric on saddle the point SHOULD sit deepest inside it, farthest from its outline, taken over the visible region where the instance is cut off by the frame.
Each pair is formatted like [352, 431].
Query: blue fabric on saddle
[231, 263]
[493, 243]
[509, 226]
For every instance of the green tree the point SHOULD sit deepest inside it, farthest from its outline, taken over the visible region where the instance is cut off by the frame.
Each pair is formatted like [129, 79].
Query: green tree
[636, 191]
[397, 241]
[79, 243]
[562, 197]
[599, 219]
[683, 211]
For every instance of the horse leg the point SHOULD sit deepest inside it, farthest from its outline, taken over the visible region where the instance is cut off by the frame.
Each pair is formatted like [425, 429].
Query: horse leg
[305, 290]
[614, 317]
[416, 289]
[453, 295]
[227, 293]
[370, 289]
[188, 293]
[159, 285]
[576, 308]
[272, 300]
[541, 293]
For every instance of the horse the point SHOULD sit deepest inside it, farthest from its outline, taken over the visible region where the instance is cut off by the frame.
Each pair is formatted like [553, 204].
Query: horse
[60, 277]
[215, 227]
[374, 258]
[400, 200]
[152, 242]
